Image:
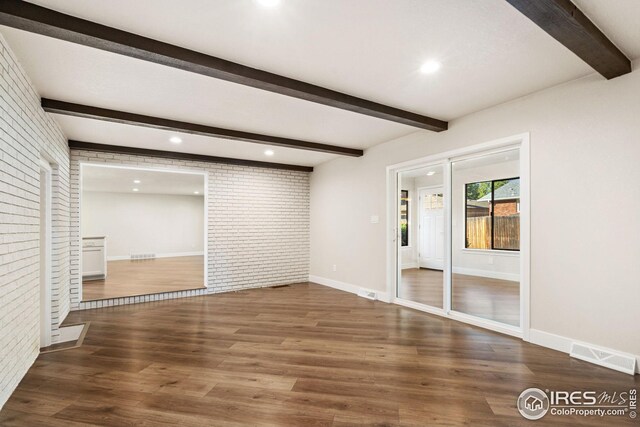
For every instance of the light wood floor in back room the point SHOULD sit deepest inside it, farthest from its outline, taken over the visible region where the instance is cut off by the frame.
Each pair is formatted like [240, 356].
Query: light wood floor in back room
[302, 355]
[127, 278]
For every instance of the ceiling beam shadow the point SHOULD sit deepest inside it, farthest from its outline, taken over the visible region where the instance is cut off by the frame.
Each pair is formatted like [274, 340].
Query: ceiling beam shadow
[117, 149]
[40, 20]
[85, 111]
[567, 24]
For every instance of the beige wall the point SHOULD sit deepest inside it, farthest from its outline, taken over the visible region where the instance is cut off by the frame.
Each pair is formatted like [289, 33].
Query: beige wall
[585, 201]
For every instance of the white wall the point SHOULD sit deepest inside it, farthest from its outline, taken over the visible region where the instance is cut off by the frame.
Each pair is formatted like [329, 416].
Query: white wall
[585, 200]
[26, 133]
[144, 223]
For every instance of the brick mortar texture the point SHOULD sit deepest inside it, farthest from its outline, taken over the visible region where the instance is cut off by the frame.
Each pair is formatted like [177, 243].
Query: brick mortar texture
[27, 133]
[257, 225]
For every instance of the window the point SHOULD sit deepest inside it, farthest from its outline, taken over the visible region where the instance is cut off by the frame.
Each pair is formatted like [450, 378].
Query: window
[404, 217]
[433, 201]
[492, 215]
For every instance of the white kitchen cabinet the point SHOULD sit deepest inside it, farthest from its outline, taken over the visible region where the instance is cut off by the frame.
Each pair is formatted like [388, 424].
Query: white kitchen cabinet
[94, 258]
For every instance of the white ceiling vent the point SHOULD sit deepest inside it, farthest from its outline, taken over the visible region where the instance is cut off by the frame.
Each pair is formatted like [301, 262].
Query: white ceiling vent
[365, 293]
[607, 358]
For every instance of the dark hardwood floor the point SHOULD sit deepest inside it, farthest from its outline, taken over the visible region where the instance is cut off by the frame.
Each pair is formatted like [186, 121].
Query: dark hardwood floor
[302, 355]
[492, 299]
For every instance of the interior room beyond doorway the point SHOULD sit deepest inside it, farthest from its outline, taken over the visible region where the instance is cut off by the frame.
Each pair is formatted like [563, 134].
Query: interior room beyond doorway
[143, 231]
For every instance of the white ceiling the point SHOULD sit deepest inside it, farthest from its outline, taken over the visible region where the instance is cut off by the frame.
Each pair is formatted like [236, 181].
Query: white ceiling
[414, 173]
[509, 156]
[490, 53]
[88, 130]
[121, 180]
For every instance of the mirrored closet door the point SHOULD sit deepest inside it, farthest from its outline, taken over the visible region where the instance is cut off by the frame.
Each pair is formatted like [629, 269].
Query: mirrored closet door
[422, 236]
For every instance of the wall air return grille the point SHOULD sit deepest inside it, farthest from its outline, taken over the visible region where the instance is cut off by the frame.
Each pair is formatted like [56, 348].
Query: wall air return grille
[607, 358]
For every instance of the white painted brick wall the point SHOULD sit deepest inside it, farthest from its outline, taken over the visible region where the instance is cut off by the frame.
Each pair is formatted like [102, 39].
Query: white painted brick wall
[26, 133]
[258, 225]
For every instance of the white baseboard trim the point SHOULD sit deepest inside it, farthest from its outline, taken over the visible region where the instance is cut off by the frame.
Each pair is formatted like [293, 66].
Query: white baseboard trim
[563, 344]
[552, 341]
[541, 338]
[348, 287]
[491, 325]
[165, 255]
[420, 307]
[487, 273]
[409, 265]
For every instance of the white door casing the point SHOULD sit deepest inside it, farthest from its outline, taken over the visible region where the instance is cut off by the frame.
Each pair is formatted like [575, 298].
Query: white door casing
[45, 253]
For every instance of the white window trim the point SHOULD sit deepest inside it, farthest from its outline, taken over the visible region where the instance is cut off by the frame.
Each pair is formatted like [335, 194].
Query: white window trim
[497, 252]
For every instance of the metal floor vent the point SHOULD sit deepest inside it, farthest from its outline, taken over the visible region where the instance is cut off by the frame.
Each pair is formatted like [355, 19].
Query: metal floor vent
[367, 294]
[140, 257]
[607, 358]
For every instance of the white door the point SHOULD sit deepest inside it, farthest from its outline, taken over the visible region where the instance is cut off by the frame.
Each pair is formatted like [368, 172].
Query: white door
[431, 217]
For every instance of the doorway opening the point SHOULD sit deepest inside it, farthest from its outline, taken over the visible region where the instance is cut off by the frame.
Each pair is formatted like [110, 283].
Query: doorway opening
[143, 231]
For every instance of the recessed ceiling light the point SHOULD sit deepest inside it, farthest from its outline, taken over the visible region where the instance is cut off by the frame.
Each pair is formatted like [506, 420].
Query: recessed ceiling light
[136, 181]
[135, 189]
[269, 153]
[175, 139]
[268, 3]
[196, 192]
[430, 67]
[431, 173]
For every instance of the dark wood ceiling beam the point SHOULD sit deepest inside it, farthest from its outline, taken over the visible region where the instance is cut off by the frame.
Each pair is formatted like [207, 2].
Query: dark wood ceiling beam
[566, 23]
[78, 110]
[117, 149]
[40, 20]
